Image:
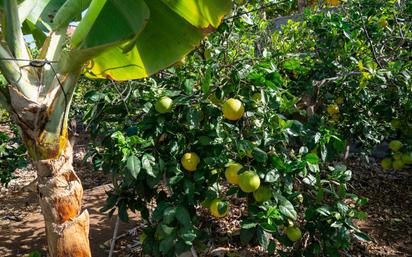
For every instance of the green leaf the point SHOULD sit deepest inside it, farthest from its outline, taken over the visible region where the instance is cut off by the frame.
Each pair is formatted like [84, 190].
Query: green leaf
[166, 244]
[200, 13]
[169, 215]
[312, 158]
[287, 209]
[123, 212]
[246, 235]
[166, 38]
[188, 238]
[133, 166]
[207, 81]
[93, 35]
[35, 254]
[183, 216]
[262, 238]
[259, 155]
[70, 11]
[147, 163]
[249, 225]
[362, 236]
[323, 210]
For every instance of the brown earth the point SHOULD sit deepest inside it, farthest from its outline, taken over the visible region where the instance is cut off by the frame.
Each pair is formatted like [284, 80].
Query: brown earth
[22, 225]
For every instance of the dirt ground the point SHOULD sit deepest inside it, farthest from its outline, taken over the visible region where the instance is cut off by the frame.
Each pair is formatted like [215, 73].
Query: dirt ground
[389, 223]
[22, 224]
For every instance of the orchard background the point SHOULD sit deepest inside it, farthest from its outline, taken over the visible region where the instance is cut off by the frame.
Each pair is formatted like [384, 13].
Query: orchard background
[276, 136]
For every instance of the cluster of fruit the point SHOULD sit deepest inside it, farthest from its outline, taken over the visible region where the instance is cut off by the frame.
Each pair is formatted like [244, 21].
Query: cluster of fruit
[399, 159]
[235, 173]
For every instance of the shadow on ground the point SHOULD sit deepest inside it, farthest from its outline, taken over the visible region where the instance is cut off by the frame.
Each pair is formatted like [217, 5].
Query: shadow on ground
[25, 233]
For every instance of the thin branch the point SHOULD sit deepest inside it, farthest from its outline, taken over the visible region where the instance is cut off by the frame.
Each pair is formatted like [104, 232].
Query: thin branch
[370, 41]
[116, 228]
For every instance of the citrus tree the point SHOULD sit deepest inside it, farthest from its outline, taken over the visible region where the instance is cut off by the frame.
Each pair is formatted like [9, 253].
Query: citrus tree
[259, 118]
[119, 40]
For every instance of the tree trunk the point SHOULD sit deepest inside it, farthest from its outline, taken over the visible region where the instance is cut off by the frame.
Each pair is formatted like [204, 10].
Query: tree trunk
[60, 195]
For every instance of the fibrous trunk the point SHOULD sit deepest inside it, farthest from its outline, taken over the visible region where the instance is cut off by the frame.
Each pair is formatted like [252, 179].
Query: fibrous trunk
[43, 127]
[60, 196]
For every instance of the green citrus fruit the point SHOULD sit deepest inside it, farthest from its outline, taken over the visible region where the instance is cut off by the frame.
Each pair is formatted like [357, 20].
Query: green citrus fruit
[395, 145]
[407, 158]
[262, 194]
[396, 124]
[219, 208]
[231, 173]
[190, 161]
[293, 233]
[233, 109]
[386, 163]
[398, 164]
[164, 104]
[397, 156]
[257, 98]
[249, 181]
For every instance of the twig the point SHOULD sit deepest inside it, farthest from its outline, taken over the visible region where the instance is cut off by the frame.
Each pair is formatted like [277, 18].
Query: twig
[375, 55]
[193, 251]
[116, 228]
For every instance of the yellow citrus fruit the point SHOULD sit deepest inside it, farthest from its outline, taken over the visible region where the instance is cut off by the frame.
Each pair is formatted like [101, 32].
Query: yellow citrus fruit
[398, 164]
[293, 233]
[383, 22]
[333, 2]
[219, 208]
[233, 109]
[262, 194]
[386, 163]
[332, 109]
[395, 145]
[231, 173]
[249, 181]
[190, 161]
[164, 104]
[407, 158]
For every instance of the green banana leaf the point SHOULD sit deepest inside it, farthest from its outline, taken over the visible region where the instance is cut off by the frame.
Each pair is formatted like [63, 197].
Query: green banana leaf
[127, 39]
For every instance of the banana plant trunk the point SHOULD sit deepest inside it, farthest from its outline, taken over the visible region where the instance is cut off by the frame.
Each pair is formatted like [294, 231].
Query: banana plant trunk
[60, 195]
[42, 121]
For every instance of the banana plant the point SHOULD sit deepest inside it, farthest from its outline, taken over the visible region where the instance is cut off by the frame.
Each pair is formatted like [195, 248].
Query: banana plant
[102, 39]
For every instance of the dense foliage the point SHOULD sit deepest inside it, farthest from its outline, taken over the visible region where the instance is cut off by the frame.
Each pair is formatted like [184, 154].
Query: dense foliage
[308, 90]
